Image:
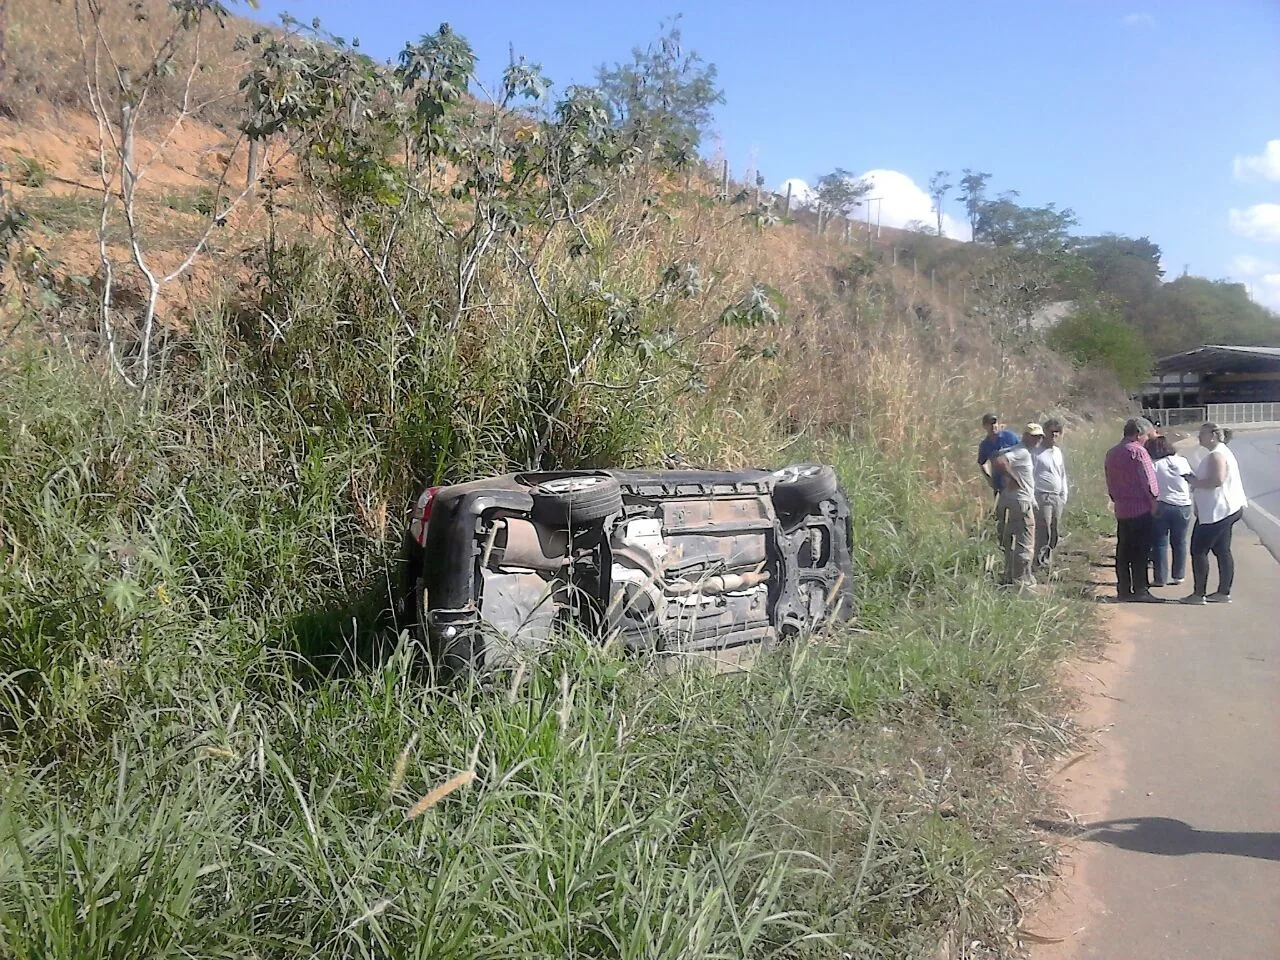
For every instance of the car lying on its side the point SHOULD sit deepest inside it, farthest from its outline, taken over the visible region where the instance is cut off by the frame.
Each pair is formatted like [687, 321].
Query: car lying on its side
[665, 560]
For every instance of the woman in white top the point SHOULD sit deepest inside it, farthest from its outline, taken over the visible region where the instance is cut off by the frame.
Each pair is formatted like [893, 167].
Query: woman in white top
[1219, 500]
[1172, 513]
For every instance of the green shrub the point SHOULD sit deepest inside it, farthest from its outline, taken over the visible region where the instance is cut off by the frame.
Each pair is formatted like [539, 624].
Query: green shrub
[28, 171]
[1100, 337]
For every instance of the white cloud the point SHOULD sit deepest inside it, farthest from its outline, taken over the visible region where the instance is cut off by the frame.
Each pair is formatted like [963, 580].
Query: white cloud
[901, 202]
[1262, 277]
[1259, 222]
[1267, 291]
[1251, 266]
[1139, 20]
[1265, 166]
[801, 193]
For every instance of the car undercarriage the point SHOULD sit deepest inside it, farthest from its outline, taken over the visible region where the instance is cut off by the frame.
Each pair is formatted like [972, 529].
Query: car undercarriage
[672, 560]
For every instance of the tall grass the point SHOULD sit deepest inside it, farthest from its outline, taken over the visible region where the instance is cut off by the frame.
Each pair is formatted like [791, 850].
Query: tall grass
[188, 775]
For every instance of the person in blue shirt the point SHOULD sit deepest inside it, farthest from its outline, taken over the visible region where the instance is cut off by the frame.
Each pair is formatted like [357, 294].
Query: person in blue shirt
[997, 439]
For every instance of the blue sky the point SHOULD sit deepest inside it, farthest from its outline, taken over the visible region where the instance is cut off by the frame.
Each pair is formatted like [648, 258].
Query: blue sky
[1132, 113]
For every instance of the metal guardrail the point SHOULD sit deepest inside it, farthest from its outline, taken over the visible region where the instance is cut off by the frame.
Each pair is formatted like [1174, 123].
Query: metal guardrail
[1237, 413]
[1176, 416]
[1227, 414]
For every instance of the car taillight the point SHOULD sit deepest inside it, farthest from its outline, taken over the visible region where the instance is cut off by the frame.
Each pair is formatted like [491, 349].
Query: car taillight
[421, 514]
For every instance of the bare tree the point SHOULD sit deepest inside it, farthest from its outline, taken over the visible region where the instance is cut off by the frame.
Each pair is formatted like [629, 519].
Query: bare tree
[973, 194]
[123, 97]
[4, 62]
[939, 187]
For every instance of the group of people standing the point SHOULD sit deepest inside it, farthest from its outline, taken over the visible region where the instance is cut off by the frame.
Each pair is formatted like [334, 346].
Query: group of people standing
[1154, 492]
[1028, 476]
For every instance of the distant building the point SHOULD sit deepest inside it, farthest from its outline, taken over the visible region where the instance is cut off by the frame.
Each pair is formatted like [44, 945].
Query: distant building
[1213, 375]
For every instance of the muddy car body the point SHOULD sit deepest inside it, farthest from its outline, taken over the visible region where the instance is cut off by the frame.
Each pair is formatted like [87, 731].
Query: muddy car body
[666, 560]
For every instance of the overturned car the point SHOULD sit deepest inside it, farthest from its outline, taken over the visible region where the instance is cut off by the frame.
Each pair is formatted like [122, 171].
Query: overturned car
[670, 560]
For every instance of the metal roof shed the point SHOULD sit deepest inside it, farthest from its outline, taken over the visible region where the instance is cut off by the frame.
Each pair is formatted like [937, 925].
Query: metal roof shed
[1222, 359]
[1228, 374]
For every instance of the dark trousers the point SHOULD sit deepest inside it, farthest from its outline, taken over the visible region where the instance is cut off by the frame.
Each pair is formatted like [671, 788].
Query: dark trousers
[1213, 538]
[1133, 553]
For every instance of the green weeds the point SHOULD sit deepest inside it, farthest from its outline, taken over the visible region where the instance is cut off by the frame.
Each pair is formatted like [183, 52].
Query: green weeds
[183, 781]
[59, 213]
[27, 171]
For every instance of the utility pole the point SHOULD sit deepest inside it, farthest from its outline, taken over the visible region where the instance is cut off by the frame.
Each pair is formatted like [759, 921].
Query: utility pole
[868, 201]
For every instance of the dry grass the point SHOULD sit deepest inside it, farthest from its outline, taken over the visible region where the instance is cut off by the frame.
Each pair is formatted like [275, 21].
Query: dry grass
[861, 355]
[882, 359]
[862, 358]
[44, 55]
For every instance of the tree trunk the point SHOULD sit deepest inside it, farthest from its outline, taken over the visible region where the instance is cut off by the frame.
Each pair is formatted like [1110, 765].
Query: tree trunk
[5, 109]
[252, 176]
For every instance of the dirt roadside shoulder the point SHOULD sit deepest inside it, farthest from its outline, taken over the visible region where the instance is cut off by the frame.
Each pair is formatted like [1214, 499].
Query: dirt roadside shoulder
[1168, 820]
[1082, 786]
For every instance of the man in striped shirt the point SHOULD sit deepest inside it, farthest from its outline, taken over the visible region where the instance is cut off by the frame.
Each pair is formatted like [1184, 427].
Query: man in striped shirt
[1131, 485]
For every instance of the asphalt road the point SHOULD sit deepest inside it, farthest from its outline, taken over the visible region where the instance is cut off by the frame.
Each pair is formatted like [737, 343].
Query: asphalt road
[1258, 453]
[1173, 820]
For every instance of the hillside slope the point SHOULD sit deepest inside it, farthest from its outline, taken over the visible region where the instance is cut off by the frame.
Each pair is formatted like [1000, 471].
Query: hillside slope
[216, 737]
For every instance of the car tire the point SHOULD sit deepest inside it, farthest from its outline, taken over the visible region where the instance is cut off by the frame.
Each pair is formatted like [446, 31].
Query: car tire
[576, 501]
[802, 486]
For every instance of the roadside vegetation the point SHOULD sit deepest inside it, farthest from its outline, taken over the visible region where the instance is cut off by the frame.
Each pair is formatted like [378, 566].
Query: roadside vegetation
[1115, 285]
[217, 742]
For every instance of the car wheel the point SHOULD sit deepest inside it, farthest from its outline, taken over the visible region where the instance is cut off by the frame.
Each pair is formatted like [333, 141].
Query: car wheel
[801, 487]
[576, 501]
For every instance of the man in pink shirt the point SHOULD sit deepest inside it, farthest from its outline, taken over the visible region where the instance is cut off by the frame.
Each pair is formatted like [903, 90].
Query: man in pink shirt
[1131, 484]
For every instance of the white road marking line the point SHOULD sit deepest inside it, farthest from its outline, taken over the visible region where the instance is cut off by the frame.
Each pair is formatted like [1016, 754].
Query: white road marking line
[1264, 512]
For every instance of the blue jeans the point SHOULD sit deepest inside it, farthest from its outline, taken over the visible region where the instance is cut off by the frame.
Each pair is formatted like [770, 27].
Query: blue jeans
[1171, 524]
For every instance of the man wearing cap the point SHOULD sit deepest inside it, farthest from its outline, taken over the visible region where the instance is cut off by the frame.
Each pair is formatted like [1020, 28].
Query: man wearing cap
[1016, 505]
[997, 439]
[1051, 492]
[1131, 485]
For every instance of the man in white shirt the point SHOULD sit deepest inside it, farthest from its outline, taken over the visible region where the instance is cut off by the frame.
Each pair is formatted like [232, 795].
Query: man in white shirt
[1051, 491]
[1016, 506]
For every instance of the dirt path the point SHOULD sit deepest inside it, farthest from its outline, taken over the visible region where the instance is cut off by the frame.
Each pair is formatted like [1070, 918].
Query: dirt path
[1172, 822]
